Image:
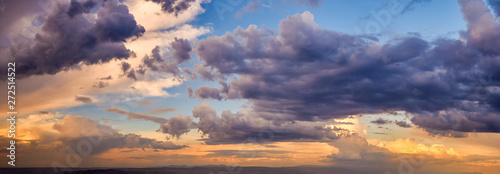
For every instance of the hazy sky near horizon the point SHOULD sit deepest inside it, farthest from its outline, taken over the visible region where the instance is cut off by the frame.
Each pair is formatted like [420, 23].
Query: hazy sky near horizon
[368, 86]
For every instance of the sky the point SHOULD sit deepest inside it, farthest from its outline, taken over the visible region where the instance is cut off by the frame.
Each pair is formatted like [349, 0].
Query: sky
[389, 86]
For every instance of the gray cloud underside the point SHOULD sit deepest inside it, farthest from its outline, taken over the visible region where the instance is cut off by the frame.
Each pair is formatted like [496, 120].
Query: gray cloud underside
[68, 37]
[75, 129]
[173, 6]
[317, 74]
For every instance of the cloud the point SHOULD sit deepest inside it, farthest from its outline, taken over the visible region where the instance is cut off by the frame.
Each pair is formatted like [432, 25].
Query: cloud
[69, 37]
[190, 91]
[206, 92]
[409, 146]
[145, 103]
[75, 129]
[482, 28]
[355, 147]
[356, 152]
[182, 50]
[77, 7]
[84, 99]
[403, 124]
[318, 74]
[381, 121]
[134, 115]
[246, 127]
[247, 154]
[156, 63]
[252, 6]
[100, 84]
[173, 6]
[177, 125]
[107, 78]
[161, 110]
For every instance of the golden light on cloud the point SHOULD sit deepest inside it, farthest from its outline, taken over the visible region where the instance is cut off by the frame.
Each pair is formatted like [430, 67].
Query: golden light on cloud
[411, 147]
[176, 84]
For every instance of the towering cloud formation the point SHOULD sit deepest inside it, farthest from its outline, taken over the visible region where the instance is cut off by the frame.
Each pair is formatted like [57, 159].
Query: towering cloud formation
[319, 74]
[69, 37]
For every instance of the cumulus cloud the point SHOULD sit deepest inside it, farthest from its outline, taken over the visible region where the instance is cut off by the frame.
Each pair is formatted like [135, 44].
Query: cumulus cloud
[355, 147]
[320, 74]
[166, 65]
[182, 50]
[75, 129]
[177, 125]
[207, 92]
[69, 36]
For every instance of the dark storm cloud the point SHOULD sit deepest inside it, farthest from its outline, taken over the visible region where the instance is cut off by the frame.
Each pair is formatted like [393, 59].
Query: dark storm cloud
[75, 129]
[84, 99]
[182, 49]
[173, 6]
[319, 74]
[77, 7]
[66, 41]
[311, 78]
